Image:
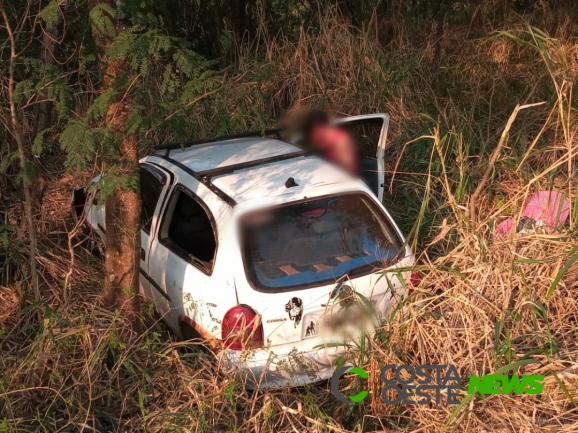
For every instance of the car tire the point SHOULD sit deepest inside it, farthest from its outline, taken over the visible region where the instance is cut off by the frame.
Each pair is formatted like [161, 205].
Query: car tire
[189, 333]
[96, 247]
[198, 344]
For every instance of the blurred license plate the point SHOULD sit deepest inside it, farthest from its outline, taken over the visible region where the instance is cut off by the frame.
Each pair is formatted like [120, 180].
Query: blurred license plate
[326, 323]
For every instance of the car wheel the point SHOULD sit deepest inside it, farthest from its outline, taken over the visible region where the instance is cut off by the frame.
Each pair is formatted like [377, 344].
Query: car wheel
[191, 335]
[97, 248]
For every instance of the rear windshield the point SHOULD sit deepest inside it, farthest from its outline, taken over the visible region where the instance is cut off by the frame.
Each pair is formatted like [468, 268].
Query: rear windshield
[316, 241]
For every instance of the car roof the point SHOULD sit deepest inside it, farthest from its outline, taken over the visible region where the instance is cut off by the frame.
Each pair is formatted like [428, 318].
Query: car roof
[225, 153]
[269, 180]
[263, 180]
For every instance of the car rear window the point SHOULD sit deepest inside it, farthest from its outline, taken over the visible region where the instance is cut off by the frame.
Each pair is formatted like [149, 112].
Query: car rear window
[314, 242]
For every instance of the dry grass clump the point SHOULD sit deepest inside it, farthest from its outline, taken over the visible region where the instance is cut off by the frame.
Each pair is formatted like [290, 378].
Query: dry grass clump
[484, 305]
[504, 305]
[88, 372]
[341, 69]
[10, 302]
[487, 304]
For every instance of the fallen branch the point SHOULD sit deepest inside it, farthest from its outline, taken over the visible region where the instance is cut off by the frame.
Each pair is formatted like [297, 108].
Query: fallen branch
[79, 224]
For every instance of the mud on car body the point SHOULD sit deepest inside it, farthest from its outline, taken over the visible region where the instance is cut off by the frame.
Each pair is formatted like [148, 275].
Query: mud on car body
[267, 251]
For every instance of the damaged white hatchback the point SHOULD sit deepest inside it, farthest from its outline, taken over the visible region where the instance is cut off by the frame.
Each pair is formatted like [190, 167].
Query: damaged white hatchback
[276, 257]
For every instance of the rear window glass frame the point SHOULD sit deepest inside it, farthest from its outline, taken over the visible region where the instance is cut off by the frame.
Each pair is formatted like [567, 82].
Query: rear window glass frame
[252, 278]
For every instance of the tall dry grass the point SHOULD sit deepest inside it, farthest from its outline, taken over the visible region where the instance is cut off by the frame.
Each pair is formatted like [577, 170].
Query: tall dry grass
[484, 305]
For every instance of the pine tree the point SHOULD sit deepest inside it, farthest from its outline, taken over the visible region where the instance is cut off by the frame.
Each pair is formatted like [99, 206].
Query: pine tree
[123, 205]
[149, 83]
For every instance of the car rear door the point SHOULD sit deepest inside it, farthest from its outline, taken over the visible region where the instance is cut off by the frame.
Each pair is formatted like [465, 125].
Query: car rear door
[189, 280]
[370, 134]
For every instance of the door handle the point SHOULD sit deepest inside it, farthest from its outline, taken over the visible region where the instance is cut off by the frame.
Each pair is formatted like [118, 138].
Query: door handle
[142, 253]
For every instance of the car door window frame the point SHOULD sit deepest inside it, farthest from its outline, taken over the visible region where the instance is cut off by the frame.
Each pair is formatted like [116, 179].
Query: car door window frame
[163, 178]
[171, 245]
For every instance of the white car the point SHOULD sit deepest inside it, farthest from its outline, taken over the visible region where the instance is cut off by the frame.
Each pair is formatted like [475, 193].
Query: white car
[258, 245]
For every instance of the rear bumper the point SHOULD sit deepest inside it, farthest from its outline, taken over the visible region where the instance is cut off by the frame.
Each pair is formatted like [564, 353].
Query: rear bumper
[285, 365]
[303, 362]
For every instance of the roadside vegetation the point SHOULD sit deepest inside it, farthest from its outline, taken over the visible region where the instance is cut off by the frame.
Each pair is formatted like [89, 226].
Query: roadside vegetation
[482, 102]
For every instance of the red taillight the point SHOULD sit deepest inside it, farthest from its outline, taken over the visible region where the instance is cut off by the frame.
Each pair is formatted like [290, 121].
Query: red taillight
[242, 328]
[414, 280]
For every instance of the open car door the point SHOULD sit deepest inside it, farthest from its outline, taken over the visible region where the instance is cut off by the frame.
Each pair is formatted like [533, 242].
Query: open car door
[369, 133]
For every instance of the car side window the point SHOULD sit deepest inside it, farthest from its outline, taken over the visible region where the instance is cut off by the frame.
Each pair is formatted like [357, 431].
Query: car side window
[188, 229]
[151, 186]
